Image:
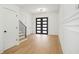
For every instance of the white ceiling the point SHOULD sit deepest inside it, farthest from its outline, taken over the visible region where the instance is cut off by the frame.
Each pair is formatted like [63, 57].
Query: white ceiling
[32, 8]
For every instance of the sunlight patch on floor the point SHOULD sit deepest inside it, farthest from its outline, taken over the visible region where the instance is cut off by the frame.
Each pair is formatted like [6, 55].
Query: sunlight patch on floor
[42, 41]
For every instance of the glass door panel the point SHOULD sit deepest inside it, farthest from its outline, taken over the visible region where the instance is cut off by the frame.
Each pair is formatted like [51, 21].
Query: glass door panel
[42, 25]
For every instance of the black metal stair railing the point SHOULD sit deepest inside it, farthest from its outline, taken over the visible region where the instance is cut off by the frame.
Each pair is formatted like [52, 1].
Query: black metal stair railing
[22, 30]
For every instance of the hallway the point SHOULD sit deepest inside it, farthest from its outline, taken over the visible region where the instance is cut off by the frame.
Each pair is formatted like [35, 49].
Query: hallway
[22, 27]
[37, 44]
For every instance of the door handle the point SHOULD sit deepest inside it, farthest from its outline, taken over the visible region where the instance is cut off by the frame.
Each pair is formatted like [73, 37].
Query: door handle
[5, 31]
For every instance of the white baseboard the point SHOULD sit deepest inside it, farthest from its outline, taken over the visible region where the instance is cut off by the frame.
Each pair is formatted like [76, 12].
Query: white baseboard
[20, 41]
[17, 43]
[1, 52]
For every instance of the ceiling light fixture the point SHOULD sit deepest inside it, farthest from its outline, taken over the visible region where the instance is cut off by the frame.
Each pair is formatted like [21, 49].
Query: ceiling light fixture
[41, 9]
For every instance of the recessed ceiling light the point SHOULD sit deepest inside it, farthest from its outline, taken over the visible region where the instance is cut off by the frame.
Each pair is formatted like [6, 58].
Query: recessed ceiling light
[41, 9]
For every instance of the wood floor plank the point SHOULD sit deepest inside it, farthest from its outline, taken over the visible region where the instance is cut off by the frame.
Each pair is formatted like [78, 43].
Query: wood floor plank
[37, 44]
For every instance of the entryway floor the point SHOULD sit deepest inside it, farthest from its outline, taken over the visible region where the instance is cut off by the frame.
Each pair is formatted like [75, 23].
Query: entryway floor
[37, 44]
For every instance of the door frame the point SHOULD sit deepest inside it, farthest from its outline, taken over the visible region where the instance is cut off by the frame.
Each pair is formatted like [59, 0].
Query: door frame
[41, 25]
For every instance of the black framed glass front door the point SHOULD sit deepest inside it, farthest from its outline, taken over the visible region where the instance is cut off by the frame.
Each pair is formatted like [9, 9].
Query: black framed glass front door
[42, 25]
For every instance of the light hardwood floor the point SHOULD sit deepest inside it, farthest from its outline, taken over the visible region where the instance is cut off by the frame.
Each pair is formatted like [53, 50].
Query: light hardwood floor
[37, 44]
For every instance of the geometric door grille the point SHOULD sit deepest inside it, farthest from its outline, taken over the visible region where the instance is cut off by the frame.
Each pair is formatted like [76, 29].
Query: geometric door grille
[42, 25]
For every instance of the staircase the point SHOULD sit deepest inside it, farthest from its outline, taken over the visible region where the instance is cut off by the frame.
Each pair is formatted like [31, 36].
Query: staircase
[22, 30]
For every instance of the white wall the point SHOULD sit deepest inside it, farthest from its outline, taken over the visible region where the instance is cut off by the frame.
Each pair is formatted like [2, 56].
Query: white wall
[1, 31]
[69, 25]
[9, 16]
[61, 17]
[52, 22]
[26, 17]
[29, 24]
[9, 22]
